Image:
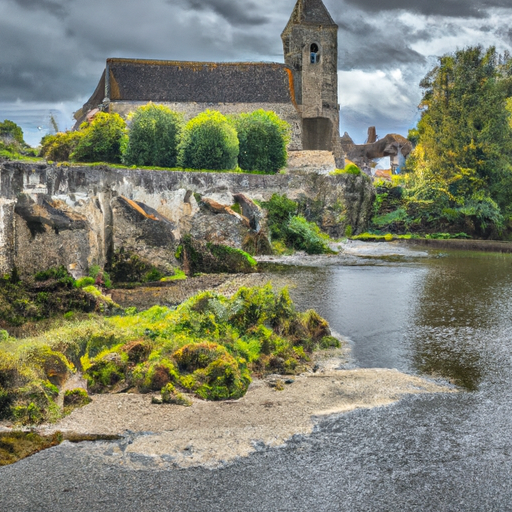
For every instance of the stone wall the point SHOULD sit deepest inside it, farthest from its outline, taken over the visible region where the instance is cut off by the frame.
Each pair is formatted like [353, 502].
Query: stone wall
[285, 111]
[55, 215]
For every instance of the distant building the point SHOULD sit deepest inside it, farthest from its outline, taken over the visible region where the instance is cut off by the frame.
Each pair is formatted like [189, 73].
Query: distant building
[303, 91]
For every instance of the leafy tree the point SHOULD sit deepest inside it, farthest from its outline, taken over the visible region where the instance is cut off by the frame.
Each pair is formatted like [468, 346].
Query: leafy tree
[10, 130]
[263, 139]
[209, 142]
[462, 163]
[154, 134]
[464, 135]
[102, 139]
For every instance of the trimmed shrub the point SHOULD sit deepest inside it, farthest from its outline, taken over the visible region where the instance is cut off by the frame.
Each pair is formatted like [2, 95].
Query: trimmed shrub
[153, 137]
[101, 140]
[263, 137]
[60, 146]
[209, 142]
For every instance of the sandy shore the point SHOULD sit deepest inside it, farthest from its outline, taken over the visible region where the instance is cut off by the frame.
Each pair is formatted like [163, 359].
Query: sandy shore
[213, 433]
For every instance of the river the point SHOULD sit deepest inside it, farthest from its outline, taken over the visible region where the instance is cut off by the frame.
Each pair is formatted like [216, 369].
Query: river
[447, 316]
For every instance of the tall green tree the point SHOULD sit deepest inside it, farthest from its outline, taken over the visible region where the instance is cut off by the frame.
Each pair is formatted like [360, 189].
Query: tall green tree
[464, 150]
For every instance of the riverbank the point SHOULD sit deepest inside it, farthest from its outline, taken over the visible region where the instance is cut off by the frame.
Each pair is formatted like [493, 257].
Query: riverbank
[213, 434]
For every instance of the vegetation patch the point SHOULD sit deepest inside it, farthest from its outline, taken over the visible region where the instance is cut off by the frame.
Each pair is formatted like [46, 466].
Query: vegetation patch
[48, 293]
[209, 346]
[15, 446]
[294, 231]
[204, 257]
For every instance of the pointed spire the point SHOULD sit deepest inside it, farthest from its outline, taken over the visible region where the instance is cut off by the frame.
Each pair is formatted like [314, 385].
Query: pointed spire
[311, 11]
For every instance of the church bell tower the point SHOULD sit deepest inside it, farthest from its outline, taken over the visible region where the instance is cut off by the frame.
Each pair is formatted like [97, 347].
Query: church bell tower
[310, 43]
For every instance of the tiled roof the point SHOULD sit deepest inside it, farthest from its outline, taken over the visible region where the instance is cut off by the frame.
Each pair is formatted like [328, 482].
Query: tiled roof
[201, 82]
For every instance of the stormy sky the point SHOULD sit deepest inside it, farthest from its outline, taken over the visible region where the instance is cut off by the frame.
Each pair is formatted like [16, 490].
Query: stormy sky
[52, 52]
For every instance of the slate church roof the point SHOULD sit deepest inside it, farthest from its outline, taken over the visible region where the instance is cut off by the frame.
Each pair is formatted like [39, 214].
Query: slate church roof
[201, 82]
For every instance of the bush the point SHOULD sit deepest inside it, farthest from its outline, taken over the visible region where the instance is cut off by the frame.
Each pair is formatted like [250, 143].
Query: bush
[280, 211]
[153, 137]
[305, 236]
[211, 372]
[263, 139]
[60, 146]
[101, 140]
[209, 142]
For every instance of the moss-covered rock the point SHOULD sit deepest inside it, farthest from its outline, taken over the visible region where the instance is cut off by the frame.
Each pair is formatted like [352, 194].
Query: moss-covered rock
[171, 396]
[211, 372]
[75, 398]
[199, 256]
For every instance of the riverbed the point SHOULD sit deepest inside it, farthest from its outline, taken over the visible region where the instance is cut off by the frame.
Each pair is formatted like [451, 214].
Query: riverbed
[443, 315]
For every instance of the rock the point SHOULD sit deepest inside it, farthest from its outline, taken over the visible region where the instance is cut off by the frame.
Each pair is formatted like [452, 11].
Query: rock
[141, 230]
[199, 256]
[215, 207]
[250, 211]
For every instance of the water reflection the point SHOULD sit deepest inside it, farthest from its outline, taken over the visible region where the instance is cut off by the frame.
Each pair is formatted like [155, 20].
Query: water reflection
[433, 316]
[460, 302]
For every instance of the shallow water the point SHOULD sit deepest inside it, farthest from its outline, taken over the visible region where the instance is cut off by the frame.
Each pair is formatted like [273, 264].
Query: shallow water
[448, 316]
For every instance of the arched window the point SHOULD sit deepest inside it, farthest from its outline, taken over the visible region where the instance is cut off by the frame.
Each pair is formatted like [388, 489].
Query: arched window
[314, 53]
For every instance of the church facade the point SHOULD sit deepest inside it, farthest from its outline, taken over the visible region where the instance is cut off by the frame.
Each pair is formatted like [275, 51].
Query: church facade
[303, 91]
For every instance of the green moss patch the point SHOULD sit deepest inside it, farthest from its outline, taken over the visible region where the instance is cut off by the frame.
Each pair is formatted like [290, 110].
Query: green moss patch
[210, 346]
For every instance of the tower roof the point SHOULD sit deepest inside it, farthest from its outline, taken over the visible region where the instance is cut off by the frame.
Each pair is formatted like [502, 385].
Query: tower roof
[310, 12]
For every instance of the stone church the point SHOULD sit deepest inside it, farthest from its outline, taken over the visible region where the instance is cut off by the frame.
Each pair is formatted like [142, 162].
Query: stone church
[303, 91]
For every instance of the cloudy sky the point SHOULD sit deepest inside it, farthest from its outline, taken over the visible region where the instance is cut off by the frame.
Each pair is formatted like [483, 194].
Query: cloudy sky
[52, 52]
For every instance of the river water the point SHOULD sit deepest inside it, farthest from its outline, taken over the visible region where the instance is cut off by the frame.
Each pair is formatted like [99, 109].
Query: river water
[447, 316]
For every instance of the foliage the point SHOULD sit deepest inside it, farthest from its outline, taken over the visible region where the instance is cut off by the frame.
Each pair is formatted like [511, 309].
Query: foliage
[75, 398]
[280, 210]
[101, 278]
[49, 293]
[206, 257]
[128, 267]
[171, 396]
[263, 137]
[209, 345]
[293, 230]
[209, 142]
[60, 146]
[102, 139]
[154, 134]
[17, 445]
[179, 275]
[460, 172]
[350, 168]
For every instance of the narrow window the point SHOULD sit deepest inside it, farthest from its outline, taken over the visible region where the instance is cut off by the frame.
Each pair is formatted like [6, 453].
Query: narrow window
[315, 57]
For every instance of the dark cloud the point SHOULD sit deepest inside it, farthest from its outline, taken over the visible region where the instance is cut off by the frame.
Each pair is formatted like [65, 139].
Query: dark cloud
[383, 46]
[243, 13]
[451, 8]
